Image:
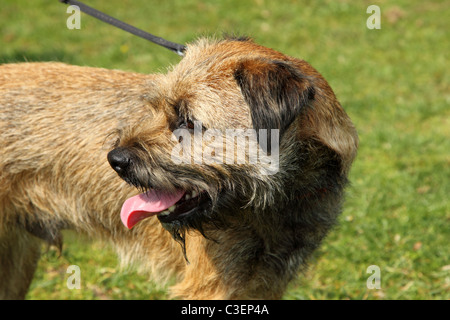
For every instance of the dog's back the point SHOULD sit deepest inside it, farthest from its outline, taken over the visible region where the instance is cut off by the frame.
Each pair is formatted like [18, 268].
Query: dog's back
[54, 137]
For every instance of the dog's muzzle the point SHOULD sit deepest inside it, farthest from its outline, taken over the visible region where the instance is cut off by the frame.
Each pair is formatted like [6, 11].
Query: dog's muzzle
[168, 206]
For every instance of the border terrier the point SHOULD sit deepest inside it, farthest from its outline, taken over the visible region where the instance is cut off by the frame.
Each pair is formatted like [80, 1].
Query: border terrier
[222, 228]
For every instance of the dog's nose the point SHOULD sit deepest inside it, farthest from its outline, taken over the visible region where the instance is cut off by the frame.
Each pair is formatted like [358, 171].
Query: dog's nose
[119, 159]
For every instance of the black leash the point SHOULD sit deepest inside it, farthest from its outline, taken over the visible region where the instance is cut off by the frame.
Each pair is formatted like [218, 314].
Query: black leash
[175, 47]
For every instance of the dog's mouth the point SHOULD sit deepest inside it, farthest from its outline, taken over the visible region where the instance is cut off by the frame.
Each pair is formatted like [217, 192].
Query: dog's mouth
[168, 207]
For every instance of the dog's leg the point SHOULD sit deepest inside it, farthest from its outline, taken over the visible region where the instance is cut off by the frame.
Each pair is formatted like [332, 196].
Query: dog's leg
[19, 254]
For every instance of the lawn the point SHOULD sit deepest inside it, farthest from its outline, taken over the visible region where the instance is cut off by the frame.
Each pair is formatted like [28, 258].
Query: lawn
[393, 82]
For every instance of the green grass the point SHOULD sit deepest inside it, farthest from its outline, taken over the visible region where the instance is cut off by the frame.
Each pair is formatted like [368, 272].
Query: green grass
[393, 82]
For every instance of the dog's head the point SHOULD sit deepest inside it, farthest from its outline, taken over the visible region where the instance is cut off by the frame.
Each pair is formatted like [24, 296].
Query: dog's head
[234, 128]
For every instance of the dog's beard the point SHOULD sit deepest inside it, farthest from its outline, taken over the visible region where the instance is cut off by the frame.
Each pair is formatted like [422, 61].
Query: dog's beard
[201, 220]
[211, 215]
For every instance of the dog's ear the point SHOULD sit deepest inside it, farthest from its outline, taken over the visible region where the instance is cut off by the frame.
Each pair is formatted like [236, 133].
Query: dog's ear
[275, 90]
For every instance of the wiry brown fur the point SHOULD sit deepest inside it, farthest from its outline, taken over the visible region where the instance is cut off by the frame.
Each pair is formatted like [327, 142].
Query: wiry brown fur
[58, 122]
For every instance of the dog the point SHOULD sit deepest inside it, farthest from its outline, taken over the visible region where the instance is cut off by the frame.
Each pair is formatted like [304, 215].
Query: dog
[92, 150]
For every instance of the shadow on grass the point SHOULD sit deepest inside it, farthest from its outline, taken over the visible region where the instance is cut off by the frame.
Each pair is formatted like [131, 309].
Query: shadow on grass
[27, 56]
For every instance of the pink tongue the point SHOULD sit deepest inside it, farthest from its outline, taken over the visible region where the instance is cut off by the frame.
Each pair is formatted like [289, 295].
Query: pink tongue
[145, 205]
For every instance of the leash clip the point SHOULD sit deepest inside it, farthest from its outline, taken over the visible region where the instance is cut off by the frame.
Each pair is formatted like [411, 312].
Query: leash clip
[175, 47]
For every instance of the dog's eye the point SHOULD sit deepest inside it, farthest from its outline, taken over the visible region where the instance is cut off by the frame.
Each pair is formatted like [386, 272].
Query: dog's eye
[187, 123]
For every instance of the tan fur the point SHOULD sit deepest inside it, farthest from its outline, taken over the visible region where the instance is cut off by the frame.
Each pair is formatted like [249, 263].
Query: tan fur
[58, 123]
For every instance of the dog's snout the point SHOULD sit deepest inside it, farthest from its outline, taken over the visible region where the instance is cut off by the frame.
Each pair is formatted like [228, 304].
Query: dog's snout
[119, 159]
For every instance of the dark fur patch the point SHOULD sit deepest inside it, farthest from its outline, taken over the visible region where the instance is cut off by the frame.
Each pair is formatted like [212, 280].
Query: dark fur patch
[275, 91]
[49, 232]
